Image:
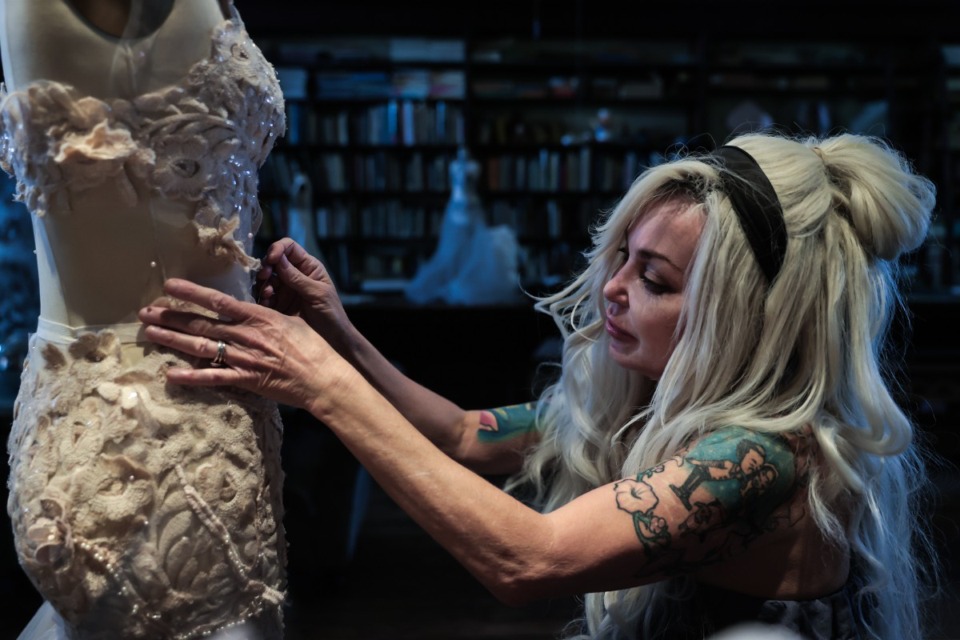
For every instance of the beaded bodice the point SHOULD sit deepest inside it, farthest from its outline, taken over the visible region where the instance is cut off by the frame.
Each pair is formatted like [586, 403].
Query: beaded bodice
[201, 140]
[195, 145]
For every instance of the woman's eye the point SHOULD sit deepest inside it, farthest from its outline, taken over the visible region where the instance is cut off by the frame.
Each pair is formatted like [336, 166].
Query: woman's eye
[654, 287]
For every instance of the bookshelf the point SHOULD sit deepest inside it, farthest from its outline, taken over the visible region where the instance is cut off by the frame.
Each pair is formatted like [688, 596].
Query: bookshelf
[562, 125]
[948, 150]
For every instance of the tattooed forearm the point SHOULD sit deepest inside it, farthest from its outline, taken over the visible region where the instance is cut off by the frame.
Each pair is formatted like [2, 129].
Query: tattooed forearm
[507, 423]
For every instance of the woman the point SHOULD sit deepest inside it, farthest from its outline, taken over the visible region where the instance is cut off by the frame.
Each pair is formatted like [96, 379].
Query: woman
[720, 445]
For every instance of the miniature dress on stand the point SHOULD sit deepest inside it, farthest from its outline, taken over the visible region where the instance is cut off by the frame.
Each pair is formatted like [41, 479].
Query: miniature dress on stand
[300, 224]
[473, 263]
[139, 509]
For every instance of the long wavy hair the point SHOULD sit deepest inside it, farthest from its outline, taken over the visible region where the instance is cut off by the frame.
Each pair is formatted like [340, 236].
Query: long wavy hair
[810, 349]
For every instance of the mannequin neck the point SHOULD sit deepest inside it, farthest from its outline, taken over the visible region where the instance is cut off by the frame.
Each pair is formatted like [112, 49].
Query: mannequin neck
[119, 18]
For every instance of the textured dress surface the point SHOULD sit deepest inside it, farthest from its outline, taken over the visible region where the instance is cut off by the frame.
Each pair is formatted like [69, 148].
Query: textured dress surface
[141, 509]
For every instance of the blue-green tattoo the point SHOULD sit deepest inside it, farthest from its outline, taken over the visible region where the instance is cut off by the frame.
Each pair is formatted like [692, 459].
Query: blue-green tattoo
[507, 423]
[736, 481]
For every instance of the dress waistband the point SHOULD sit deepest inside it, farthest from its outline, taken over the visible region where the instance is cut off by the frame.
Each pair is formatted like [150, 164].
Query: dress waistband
[50, 331]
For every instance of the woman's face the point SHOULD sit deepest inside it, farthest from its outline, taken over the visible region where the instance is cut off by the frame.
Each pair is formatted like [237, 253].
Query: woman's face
[644, 296]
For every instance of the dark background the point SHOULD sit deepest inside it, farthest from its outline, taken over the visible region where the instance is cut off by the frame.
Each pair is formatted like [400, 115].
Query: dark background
[358, 567]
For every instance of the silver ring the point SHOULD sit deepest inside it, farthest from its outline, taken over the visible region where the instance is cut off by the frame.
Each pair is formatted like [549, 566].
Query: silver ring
[220, 359]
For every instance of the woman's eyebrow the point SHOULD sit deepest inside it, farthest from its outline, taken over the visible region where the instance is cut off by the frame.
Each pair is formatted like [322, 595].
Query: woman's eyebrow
[649, 254]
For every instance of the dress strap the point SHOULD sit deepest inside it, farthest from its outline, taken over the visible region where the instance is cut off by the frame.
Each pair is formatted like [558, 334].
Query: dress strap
[50, 331]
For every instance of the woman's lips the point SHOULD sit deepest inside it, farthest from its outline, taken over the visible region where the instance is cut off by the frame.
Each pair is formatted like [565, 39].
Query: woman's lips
[616, 333]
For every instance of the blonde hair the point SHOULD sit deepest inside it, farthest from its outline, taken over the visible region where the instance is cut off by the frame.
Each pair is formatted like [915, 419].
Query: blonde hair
[807, 349]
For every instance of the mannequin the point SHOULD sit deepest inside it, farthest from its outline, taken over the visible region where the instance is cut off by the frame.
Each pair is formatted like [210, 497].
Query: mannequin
[135, 141]
[473, 263]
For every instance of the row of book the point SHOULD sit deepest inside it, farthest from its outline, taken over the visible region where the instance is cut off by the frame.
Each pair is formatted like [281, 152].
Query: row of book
[575, 170]
[649, 87]
[393, 219]
[358, 173]
[387, 241]
[336, 50]
[545, 220]
[411, 83]
[394, 122]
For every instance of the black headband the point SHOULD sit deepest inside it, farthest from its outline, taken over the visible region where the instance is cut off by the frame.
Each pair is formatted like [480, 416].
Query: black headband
[757, 207]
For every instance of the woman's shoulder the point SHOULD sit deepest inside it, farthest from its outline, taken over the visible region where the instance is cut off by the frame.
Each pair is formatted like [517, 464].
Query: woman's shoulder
[798, 440]
[771, 464]
[798, 444]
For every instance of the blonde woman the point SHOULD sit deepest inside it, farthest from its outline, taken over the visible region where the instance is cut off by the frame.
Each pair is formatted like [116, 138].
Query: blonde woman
[720, 446]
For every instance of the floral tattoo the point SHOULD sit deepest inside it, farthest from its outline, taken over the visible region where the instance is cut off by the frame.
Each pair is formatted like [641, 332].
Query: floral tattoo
[637, 498]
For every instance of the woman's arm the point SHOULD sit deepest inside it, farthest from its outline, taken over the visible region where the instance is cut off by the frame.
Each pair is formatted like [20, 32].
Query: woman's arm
[709, 504]
[296, 283]
[728, 493]
[488, 441]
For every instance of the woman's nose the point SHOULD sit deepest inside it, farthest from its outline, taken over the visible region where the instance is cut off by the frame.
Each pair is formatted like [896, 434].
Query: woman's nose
[614, 291]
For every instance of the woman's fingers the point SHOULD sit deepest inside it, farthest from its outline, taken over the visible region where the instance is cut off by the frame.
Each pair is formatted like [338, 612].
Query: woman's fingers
[193, 345]
[182, 321]
[226, 361]
[283, 247]
[220, 303]
[291, 275]
[197, 334]
[192, 324]
[295, 256]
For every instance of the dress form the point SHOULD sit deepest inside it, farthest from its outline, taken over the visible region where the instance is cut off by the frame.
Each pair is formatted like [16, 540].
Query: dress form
[139, 509]
[108, 256]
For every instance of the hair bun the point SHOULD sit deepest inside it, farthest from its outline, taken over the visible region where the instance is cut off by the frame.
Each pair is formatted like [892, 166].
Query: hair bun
[886, 201]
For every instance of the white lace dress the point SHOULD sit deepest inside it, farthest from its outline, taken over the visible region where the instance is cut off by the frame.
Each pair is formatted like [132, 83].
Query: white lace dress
[142, 510]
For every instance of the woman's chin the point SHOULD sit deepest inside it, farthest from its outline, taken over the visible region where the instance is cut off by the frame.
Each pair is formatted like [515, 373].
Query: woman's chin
[627, 358]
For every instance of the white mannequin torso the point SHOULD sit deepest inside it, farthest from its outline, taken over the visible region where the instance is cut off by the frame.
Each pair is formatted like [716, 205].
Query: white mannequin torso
[138, 158]
[99, 262]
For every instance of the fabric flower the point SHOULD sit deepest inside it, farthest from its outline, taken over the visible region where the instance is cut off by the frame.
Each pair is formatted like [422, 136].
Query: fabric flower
[193, 153]
[90, 158]
[220, 242]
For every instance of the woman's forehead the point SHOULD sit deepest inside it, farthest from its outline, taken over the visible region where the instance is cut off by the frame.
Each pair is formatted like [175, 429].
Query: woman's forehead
[663, 212]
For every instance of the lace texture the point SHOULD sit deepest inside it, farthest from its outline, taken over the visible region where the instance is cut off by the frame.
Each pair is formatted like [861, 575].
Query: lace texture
[201, 140]
[139, 506]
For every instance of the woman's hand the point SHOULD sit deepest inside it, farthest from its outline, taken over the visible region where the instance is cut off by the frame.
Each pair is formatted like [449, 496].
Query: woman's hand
[295, 283]
[265, 352]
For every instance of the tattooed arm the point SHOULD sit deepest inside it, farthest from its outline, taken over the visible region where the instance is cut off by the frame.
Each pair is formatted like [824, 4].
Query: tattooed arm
[721, 497]
[497, 441]
[711, 502]
[489, 441]
[717, 499]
